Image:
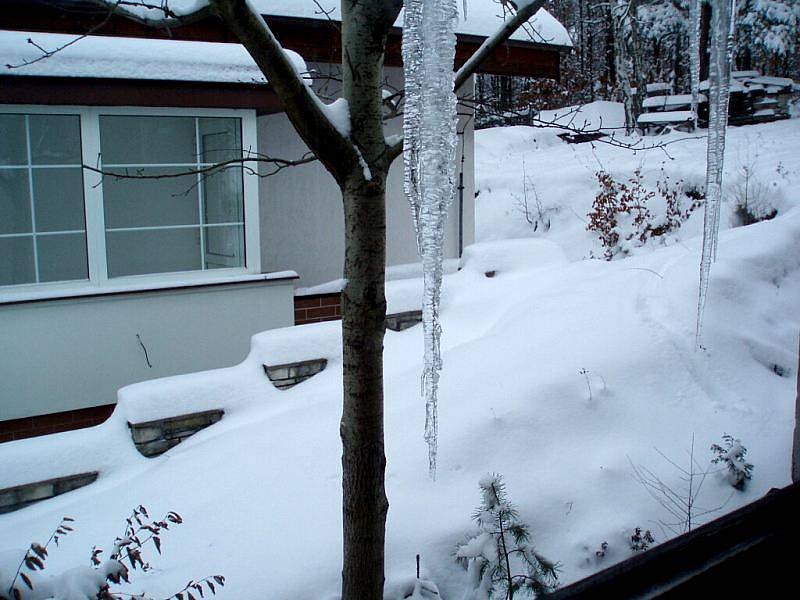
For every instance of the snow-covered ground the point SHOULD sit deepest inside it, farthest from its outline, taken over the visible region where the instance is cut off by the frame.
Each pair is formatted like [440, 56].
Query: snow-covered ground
[559, 373]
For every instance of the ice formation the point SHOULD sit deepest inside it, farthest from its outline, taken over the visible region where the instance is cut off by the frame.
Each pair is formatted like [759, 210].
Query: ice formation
[430, 139]
[694, 50]
[722, 40]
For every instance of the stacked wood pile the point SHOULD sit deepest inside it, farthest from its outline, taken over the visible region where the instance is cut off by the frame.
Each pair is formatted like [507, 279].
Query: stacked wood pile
[664, 111]
[754, 98]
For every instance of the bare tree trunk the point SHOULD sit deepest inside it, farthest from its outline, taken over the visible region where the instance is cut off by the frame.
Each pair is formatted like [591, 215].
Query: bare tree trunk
[364, 503]
[363, 458]
[619, 20]
[705, 32]
[796, 445]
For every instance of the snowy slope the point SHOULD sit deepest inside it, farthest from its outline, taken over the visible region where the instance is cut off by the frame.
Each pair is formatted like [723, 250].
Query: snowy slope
[259, 491]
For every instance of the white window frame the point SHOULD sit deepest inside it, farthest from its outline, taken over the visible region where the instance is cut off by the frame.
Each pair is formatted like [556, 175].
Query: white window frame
[95, 216]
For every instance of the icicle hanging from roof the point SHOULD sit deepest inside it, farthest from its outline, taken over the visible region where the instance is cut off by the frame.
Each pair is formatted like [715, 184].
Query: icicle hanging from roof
[430, 140]
[722, 38]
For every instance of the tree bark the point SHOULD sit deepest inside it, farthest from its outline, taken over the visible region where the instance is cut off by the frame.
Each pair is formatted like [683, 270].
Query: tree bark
[364, 505]
[705, 32]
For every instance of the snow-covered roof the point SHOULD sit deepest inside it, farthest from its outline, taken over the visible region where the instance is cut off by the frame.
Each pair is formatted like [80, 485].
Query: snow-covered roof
[658, 87]
[482, 18]
[674, 116]
[773, 81]
[664, 101]
[131, 58]
[736, 86]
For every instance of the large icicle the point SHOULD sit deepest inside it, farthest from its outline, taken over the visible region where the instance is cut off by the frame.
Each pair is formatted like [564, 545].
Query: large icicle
[694, 54]
[722, 39]
[430, 139]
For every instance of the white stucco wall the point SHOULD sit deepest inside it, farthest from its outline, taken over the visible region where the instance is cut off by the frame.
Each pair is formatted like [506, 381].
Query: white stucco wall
[302, 226]
[75, 353]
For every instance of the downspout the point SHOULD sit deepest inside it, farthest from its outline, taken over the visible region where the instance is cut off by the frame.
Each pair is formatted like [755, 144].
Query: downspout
[461, 199]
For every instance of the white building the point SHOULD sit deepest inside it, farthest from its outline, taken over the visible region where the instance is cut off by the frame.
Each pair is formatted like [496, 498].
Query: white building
[107, 281]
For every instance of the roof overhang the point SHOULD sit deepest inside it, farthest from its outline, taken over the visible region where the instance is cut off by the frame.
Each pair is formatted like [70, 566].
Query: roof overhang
[315, 40]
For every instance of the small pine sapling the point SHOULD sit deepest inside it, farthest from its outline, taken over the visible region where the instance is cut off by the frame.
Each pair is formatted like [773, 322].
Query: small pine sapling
[500, 558]
[641, 540]
[732, 454]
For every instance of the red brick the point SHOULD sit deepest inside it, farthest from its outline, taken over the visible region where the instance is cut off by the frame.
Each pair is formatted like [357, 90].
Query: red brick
[332, 302]
[16, 425]
[99, 413]
[68, 420]
[307, 301]
[324, 311]
[52, 419]
[21, 435]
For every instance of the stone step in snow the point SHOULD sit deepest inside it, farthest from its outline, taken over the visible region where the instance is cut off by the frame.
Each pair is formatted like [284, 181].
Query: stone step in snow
[20, 496]
[152, 438]
[403, 320]
[290, 374]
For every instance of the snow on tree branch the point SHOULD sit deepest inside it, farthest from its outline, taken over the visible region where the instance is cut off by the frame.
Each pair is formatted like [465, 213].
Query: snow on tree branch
[525, 10]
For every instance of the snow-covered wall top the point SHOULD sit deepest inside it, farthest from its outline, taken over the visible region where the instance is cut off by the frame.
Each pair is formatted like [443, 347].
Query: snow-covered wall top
[131, 58]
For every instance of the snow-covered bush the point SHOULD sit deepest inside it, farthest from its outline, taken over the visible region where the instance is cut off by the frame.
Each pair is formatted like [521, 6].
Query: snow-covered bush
[625, 215]
[500, 557]
[23, 579]
[641, 540]
[411, 589]
[732, 454]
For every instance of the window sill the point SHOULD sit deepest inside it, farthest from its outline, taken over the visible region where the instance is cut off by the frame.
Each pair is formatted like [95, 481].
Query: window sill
[133, 285]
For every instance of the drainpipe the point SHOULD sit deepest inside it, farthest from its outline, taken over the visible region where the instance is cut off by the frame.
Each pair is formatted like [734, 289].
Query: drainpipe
[461, 201]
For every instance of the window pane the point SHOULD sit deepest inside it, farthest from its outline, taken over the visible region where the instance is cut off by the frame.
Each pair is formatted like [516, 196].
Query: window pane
[13, 147]
[55, 139]
[153, 251]
[151, 202]
[224, 247]
[15, 201]
[62, 257]
[148, 140]
[58, 199]
[16, 260]
[220, 139]
[223, 197]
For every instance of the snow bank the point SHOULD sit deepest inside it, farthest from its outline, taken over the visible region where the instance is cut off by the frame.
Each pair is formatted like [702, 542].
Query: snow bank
[557, 372]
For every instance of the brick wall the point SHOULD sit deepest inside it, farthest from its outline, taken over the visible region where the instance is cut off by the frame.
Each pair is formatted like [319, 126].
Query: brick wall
[17, 429]
[317, 308]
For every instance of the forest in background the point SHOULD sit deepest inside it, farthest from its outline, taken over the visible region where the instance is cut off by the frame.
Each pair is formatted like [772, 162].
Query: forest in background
[655, 41]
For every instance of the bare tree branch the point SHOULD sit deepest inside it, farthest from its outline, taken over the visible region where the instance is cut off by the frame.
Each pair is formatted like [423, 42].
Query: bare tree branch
[498, 38]
[278, 165]
[303, 108]
[169, 19]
